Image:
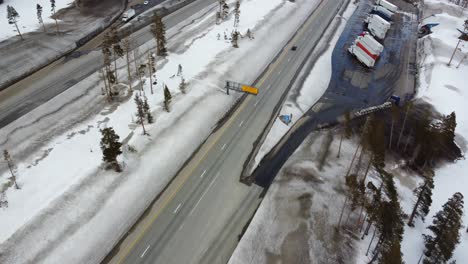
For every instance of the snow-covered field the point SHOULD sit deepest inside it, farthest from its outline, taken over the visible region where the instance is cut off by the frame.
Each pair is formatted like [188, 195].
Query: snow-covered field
[27, 21]
[68, 205]
[302, 97]
[445, 88]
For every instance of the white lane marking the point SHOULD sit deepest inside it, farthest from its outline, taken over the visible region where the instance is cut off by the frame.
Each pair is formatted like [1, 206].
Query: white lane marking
[242, 122]
[224, 146]
[203, 195]
[181, 226]
[203, 174]
[256, 102]
[144, 252]
[177, 209]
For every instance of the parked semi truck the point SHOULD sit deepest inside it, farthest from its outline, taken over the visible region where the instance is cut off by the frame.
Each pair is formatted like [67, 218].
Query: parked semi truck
[363, 55]
[382, 12]
[377, 26]
[370, 43]
[127, 15]
[387, 5]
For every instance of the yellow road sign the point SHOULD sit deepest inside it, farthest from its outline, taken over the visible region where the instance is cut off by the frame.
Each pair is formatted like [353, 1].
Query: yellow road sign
[249, 89]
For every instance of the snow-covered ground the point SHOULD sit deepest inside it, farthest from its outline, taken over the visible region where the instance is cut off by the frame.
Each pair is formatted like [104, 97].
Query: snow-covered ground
[445, 88]
[27, 21]
[302, 97]
[68, 205]
[296, 220]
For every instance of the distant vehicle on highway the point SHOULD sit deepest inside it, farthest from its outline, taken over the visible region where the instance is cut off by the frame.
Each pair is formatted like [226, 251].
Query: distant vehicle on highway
[127, 15]
[294, 48]
[146, 2]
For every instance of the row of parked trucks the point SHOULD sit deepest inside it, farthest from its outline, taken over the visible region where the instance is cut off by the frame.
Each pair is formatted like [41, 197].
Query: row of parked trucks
[365, 47]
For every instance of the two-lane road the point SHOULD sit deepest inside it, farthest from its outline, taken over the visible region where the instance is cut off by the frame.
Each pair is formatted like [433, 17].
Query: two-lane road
[200, 215]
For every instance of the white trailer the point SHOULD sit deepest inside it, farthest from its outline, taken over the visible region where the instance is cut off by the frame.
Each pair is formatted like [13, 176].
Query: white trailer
[377, 31]
[127, 15]
[387, 5]
[384, 11]
[362, 56]
[378, 21]
[374, 45]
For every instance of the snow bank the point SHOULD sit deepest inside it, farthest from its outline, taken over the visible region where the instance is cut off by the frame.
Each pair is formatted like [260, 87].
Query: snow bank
[27, 11]
[68, 206]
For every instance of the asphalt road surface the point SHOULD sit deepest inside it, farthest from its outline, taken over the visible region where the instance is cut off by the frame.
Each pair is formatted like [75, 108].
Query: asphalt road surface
[200, 215]
[31, 92]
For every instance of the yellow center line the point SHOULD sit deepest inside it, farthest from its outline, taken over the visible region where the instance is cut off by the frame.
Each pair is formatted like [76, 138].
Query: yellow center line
[214, 142]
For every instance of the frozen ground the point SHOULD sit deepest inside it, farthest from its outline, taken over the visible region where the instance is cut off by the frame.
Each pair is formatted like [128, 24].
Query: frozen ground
[304, 95]
[296, 220]
[28, 15]
[68, 205]
[279, 226]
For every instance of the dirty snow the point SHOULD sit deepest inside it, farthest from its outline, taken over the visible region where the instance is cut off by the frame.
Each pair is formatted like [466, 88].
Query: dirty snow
[67, 199]
[27, 11]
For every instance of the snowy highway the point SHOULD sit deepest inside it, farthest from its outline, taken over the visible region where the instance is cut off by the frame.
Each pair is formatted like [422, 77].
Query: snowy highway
[31, 92]
[199, 216]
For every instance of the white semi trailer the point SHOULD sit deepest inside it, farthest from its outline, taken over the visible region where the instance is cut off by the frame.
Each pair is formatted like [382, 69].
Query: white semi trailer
[387, 5]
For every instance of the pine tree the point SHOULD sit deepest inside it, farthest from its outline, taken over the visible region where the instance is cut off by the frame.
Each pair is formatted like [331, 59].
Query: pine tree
[39, 16]
[389, 223]
[13, 17]
[140, 112]
[424, 199]
[147, 110]
[236, 14]
[225, 11]
[127, 49]
[52, 9]
[11, 166]
[159, 32]
[234, 40]
[249, 34]
[111, 148]
[183, 86]
[445, 228]
[449, 123]
[167, 98]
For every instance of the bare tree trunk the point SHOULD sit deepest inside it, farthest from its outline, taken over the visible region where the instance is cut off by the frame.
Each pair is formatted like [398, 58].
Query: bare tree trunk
[13, 177]
[391, 135]
[415, 208]
[372, 239]
[150, 72]
[368, 167]
[115, 67]
[360, 215]
[129, 72]
[363, 223]
[143, 125]
[19, 33]
[342, 211]
[339, 148]
[403, 127]
[352, 161]
[56, 24]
